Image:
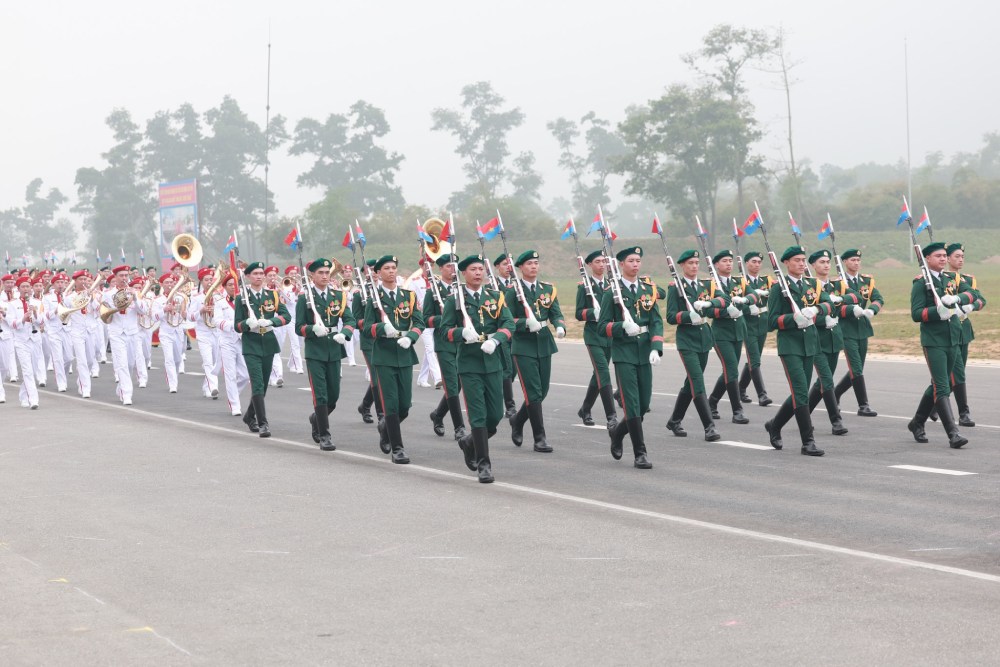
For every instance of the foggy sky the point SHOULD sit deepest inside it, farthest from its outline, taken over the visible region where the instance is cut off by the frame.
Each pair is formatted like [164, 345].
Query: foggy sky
[65, 65]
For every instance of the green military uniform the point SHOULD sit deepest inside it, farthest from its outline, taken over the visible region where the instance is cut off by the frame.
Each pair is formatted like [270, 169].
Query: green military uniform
[798, 345]
[635, 347]
[480, 365]
[694, 341]
[940, 336]
[755, 316]
[358, 305]
[510, 405]
[730, 333]
[966, 283]
[831, 342]
[857, 326]
[259, 348]
[391, 360]
[598, 347]
[447, 353]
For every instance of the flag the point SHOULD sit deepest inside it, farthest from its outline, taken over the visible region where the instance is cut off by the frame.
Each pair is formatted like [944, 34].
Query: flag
[596, 225]
[348, 242]
[905, 215]
[142, 256]
[361, 235]
[424, 236]
[98, 255]
[294, 239]
[109, 258]
[795, 226]
[73, 261]
[490, 229]
[657, 227]
[924, 222]
[826, 229]
[123, 255]
[701, 230]
[752, 223]
[230, 244]
[569, 230]
[446, 231]
[737, 232]
[232, 264]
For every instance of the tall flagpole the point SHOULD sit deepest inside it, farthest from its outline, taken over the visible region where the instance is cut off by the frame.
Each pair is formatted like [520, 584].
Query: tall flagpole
[906, 79]
[267, 139]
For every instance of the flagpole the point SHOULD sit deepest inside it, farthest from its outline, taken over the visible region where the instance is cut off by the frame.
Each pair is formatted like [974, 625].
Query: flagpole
[267, 139]
[906, 83]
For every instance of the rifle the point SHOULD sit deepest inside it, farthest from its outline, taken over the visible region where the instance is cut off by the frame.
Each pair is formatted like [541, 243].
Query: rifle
[782, 281]
[613, 268]
[358, 277]
[518, 285]
[708, 258]
[306, 286]
[678, 282]
[371, 275]
[459, 288]
[490, 275]
[922, 261]
[836, 257]
[797, 242]
[584, 276]
[739, 257]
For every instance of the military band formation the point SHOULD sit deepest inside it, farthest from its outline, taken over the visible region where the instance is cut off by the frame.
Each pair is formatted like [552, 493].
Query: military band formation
[495, 323]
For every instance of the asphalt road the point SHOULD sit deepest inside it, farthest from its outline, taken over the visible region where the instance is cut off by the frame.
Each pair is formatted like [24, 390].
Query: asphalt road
[165, 533]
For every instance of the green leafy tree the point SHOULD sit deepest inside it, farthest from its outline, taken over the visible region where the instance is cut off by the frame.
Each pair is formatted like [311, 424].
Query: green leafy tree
[33, 228]
[590, 170]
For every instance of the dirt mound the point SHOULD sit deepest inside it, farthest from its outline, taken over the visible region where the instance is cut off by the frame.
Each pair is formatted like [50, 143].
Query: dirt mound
[889, 263]
[995, 259]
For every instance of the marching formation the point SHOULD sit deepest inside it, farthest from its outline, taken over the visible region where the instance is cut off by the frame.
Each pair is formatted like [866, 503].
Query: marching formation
[488, 324]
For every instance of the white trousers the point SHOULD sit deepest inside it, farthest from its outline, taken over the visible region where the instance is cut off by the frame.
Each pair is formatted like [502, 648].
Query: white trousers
[429, 367]
[123, 358]
[24, 351]
[206, 346]
[234, 370]
[57, 348]
[172, 343]
[9, 358]
[83, 352]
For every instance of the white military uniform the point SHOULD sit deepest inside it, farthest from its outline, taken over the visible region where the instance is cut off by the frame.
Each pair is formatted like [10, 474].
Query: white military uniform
[82, 341]
[8, 360]
[26, 338]
[230, 362]
[172, 339]
[123, 331]
[58, 337]
[207, 345]
[430, 369]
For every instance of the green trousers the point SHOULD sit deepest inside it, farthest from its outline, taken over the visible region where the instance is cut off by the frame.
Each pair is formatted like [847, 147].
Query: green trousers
[855, 350]
[483, 394]
[826, 366]
[448, 361]
[694, 366]
[636, 386]
[534, 374]
[754, 345]
[961, 359]
[599, 360]
[394, 389]
[798, 371]
[940, 361]
[324, 381]
[259, 369]
[729, 354]
[508, 361]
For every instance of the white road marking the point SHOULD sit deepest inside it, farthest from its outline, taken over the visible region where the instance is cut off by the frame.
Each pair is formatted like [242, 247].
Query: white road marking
[579, 500]
[83, 592]
[940, 471]
[267, 552]
[594, 558]
[600, 428]
[745, 445]
[937, 549]
[441, 557]
[74, 537]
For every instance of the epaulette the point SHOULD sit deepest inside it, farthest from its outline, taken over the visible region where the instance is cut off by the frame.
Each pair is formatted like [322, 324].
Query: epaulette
[542, 282]
[865, 275]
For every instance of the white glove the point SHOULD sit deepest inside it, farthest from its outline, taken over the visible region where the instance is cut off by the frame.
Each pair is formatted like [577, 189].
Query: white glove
[831, 322]
[252, 321]
[489, 347]
[701, 305]
[734, 312]
[469, 335]
[949, 299]
[739, 300]
[754, 310]
[533, 324]
[801, 320]
[697, 319]
[761, 292]
[968, 308]
[320, 330]
[340, 338]
[390, 331]
[597, 313]
[858, 311]
[811, 312]
[404, 343]
[560, 332]
[654, 358]
[869, 313]
[631, 328]
[836, 298]
[944, 312]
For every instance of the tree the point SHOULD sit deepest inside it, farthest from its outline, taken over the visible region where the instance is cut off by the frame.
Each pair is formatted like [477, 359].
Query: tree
[589, 172]
[349, 159]
[33, 228]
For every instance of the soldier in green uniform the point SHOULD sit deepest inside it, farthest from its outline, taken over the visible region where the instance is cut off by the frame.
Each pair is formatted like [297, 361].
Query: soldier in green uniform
[598, 346]
[966, 283]
[324, 346]
[479, 364]
[446, 350]
[940, 336]
[505, 279]
[798, 345]
[532, 347]
[831, 342]
[636, 346]
[729, 331]
[756, 321]
[694, 341]
[861, 292]
[392, 355]
[256, 322]
[358, 309]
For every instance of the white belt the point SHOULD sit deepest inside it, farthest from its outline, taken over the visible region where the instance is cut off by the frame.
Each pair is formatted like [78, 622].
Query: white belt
[762, 310]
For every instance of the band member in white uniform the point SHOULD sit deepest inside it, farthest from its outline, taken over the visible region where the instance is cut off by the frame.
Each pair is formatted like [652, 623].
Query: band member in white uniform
[172, 333]
[57, 333]
[290, 297]
[22, 316]
[230, 362]
[271, 282]
[8, 361]
[40, 354]
[198, 311]
[430, 369]
[123, 331]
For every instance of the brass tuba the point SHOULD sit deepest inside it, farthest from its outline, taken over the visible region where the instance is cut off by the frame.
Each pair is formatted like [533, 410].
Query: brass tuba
[436, 247]
[186, 250]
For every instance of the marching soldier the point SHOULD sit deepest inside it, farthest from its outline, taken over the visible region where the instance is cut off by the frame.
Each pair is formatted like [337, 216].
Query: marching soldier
[324, 346]
[230, 361]
[200, 309]
[445, 349]
[533, 346]
[479, 364]
[966, 283]
[729, 332]
[123, 332]
[694, 341]
[394, 328]
[505, 279]
[636, 346]
[22, 318]
[598, 346]
[172, 332]
[831, 342]
[756, 321]
[940, 336]
[256, 321]
[861, 292]
[798, 345]
[358, 310]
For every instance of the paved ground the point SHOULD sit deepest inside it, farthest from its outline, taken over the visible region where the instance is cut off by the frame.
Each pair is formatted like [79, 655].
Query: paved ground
[165, 533]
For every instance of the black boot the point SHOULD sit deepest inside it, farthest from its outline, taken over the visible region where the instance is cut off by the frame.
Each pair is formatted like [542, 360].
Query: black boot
[713, 398]
[510, 408]
[733, 389]
[366, 406]
[680, 409]
[955, 439]
[323, 422]
[588, 402]
[468, 451]
[437, 417]
[457, 420]
[842, 386]
[617, 436]
[265, 429]
[617, 396]
[383, 436]
[638, 443]
[916, 425]
[804, 420]
[608, 401]
[861, 392]
[773, 426]
[962, 401]
[538, 428]
[758, 384]
[395, 439]
[744, 383]
[815, 396]
[250, 417]
[705, 413]
[481, 445]
[314, 423]
[833, 410]
[517, 424]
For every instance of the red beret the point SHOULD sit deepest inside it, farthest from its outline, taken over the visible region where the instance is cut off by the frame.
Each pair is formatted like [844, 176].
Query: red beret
[229, 277]
[80, 274]
[118, 269]
[22, 279]
[177, 265]
[37, 280]
[6, 276]
[136, 282]
[167, 276]
[23, 272]
[289, 269]
[205, 272]
[271, 269]
[60, 276]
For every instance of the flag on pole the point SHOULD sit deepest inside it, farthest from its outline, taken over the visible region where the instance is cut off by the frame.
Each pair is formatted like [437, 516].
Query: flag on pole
[424, 236]
[294, 239]
[701, 230]
[568, 230]
[348, 241]
[142, 256]
[795, 226]
[109, 258]
[230, 244]
[657, 227]
[737, 231]
[826, 229]
[924, 222]
[98, 255]
[597, 225]
[361, 235]
[490, 229]
[446, 231]
[123, 255]
[752, 223]
[905, 215]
